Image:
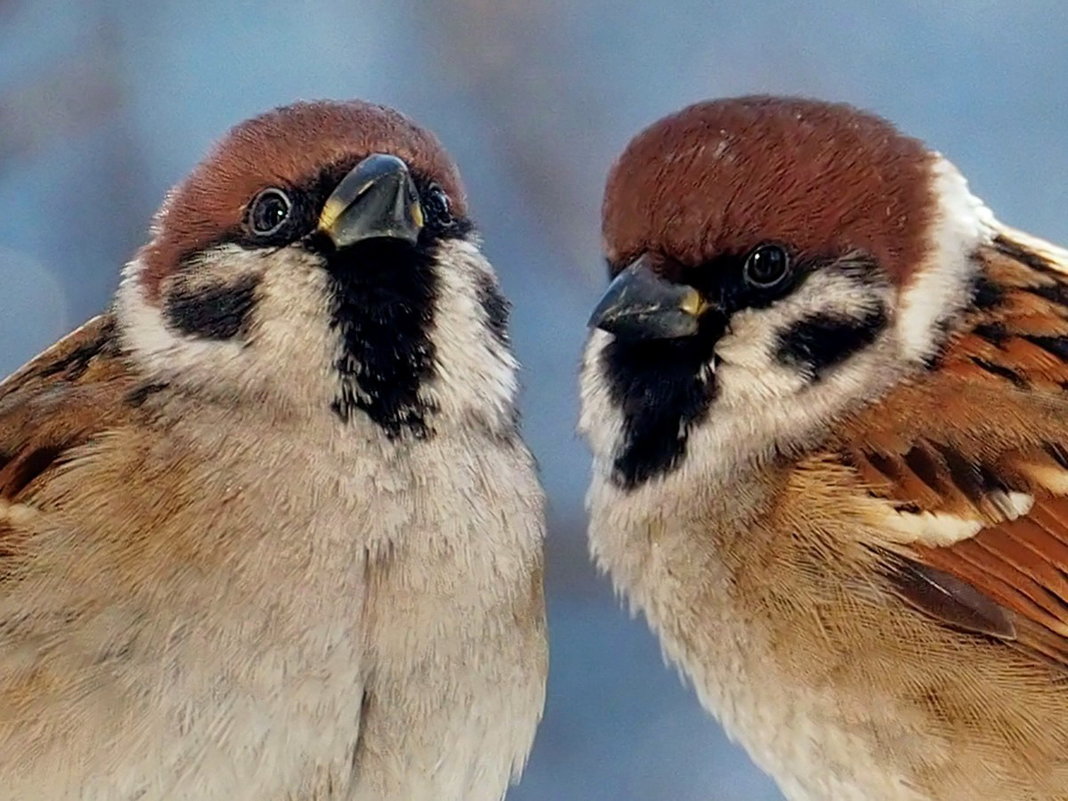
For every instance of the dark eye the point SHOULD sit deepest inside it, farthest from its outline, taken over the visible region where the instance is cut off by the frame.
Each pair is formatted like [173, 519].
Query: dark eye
[268, 211]
[437, 204]
[766, 267]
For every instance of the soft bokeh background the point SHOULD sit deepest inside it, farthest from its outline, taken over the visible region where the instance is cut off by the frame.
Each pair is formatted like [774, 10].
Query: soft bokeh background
[104, 104]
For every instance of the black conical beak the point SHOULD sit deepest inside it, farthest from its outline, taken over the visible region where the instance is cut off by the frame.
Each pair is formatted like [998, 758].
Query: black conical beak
[377, 199]
[639, 304]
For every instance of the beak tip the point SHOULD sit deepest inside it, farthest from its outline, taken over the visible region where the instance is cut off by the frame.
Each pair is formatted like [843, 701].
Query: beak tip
[638, 304]
[376, 200]
[598, 317]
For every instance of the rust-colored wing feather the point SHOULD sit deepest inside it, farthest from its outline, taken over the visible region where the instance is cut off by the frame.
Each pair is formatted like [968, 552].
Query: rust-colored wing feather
[58, 401]
[973, 460]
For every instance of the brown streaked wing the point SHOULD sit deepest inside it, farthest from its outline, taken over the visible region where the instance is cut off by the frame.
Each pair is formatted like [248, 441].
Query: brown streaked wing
[973, 460]
[56, 402]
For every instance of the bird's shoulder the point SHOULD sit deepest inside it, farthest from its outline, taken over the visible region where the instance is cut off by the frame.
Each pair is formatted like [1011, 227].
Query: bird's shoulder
[963, 471]
[57, 402]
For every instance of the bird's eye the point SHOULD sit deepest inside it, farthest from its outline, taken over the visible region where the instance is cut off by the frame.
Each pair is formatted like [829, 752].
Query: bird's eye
[767, 266]
[437, 204]
[269, 211]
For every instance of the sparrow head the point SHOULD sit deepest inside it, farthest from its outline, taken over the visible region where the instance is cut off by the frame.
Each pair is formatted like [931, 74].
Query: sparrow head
[773, 261]
[321, 259]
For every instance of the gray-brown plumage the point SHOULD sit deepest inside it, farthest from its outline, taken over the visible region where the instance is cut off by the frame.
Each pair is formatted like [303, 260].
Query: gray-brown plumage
[830, 429]
[267, 527]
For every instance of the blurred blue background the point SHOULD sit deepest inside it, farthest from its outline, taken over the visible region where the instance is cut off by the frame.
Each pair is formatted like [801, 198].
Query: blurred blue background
[103, 105]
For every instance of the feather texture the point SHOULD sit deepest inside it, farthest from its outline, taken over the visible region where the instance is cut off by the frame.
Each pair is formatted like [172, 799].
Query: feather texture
[972, 460]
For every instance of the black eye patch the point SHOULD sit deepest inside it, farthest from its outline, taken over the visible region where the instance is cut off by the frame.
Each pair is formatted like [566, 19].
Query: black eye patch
[215, 311]
[820, 341]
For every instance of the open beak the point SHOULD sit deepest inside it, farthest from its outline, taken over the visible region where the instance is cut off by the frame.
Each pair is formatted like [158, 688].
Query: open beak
[639, 304]
[377, 199]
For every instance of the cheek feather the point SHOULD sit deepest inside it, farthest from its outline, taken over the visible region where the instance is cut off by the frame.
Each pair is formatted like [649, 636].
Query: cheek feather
[164, 353]
[821, 341]
[728, 395]
[212, 311]
[476, 371]
[495, 306]
[279, 356]
[838, 311]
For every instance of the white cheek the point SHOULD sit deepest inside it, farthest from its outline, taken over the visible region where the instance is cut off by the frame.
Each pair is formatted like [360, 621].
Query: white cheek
[293, 336]
[162, 352]
[475, 372]
[748, 373]
[761, 403]
[292, 350]
[755, 415]
[600, 419]
[751, 372]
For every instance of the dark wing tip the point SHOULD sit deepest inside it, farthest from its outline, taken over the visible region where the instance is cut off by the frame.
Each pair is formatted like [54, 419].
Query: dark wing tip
[949, 599]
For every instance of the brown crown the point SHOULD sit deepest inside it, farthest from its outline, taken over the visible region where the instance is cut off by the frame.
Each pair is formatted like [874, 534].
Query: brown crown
[284, 147]
[723, 176]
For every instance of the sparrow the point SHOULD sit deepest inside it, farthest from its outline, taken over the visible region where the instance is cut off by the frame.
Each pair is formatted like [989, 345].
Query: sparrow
[267, 526]
[826, 394]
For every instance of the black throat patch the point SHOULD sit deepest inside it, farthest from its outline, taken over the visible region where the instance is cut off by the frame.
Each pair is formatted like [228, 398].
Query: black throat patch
[383, 306]
[659, 387]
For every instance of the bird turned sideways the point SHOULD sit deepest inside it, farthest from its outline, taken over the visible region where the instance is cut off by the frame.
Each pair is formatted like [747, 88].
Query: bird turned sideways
[826, 397]
[267, 528]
